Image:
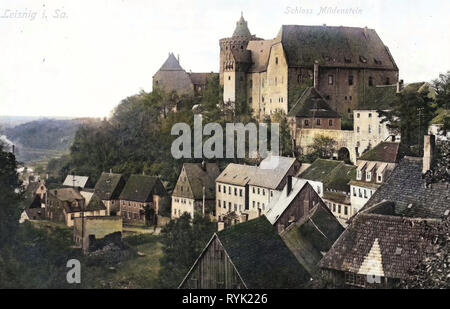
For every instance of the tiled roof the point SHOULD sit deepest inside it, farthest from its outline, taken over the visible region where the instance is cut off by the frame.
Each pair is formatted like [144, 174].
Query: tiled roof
[260, 256]
[75, 181]
[109, 186]
[319, 170]
[237, 174]
[199, 178]
[388, 152]
[141, 188]
[339, 178]
[311, 104]
[171, 64]
[200, 78]
[405, 187]
[331, 46]
[242, 28]
[95, 203]
[376, 244]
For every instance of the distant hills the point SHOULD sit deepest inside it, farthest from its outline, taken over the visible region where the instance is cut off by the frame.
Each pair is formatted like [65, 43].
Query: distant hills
[41, 139]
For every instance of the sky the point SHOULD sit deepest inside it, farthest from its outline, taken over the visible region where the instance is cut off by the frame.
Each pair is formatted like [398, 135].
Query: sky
[81, 58]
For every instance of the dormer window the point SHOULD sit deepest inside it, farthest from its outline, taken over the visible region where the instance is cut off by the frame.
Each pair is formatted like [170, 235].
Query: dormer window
[350, 80]
[363, 59]
[359, 175]
[347, 60]
[368, 176]
[377, 61]
[379, 178]
[330, 79]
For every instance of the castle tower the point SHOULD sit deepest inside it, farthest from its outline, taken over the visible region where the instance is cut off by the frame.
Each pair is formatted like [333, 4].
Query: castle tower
[235, 60]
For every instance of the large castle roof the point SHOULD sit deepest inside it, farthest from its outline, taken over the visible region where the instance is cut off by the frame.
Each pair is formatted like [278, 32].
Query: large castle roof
[242, 28]
[334, 46]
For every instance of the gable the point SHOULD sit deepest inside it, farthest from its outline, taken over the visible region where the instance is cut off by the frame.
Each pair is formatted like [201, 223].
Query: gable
[183, 188]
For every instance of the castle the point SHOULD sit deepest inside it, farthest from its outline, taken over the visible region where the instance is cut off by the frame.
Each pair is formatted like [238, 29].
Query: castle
[341, 63]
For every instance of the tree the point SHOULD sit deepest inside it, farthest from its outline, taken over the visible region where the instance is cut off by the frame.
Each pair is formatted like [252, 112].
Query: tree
[442, 88]
[285, 134]
[410, 116]
[11, 193]
[323, 147]
[182, 240]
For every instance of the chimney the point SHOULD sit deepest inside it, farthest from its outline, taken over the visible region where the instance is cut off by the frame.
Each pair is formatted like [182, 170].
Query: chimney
[220, 226]
[243, 218]
[204, 165]
[365, 32]
[399, 85]
[178, 58]
[289, 185]
[316, 75]
[429, 144]
[13, 149]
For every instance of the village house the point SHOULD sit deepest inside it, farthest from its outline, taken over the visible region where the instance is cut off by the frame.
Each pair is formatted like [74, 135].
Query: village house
[37, 188]
[75, 181]
[89, 230]
[249, 255]
[330, 179]
[304, 222]
[141, 199]
[373, 169]
[108, 189]
[194, 191]
[248, 190]
[391, 233]
[66, 204]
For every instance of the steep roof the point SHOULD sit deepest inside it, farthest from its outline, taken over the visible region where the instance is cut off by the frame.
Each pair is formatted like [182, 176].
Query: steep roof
[141, 188]
[312, 104]
[201, 78]
[199, 177]
[405, 188]
[383, 245]
[109, 186]
[310, 239]
[171, 64]
[260, 51]
[75, 181]
[334, 46]
[319, 170]
[258, 253]
[241, 29]
[388, 152]
[237, 174]
[95, 203]
[67, 194]
[339, 178]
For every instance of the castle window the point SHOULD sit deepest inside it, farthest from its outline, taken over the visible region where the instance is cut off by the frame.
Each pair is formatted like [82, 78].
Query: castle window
[370, 129]
[299, 78]
[328, 97]
[242, 47]
[370, 81]
[388, 81]
[275, 81]
[318, 122]
[370, 115]
[350, 80]
[251, 83]
[241, 79]
[250, 100]
[229, 77]
[350, 98]
[276, 60]
[345, 98]
[330, 79]
[357, 129]
[330, 122]
[262, 99]
[347, 60]
[306, 123]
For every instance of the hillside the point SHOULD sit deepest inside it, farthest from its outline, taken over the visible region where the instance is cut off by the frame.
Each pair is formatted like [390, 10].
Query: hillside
[44, 138]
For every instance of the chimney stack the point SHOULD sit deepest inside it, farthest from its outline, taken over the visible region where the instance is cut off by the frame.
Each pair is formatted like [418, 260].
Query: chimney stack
[399, 85]
[316, 75]
[289, 185]
[429, 144]
[178, 58]
[220, 226]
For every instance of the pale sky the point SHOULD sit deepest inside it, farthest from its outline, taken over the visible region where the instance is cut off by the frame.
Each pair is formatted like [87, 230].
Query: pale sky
[87, 56]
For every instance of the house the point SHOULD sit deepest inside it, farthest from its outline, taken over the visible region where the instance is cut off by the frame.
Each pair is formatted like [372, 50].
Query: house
[304, 222]
[330, 179]
[194, 191]
[88, 230]
[378, 249]
[246, 189]
[66, 204]
[141, 198]
[37, 188]
[108, 189]
[75, 181]
[373, 168]
[248, 255]
[391, 233]
[312, 111]
[32, 214]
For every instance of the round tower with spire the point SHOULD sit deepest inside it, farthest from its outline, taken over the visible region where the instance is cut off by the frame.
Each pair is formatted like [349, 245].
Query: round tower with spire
[235, 60]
